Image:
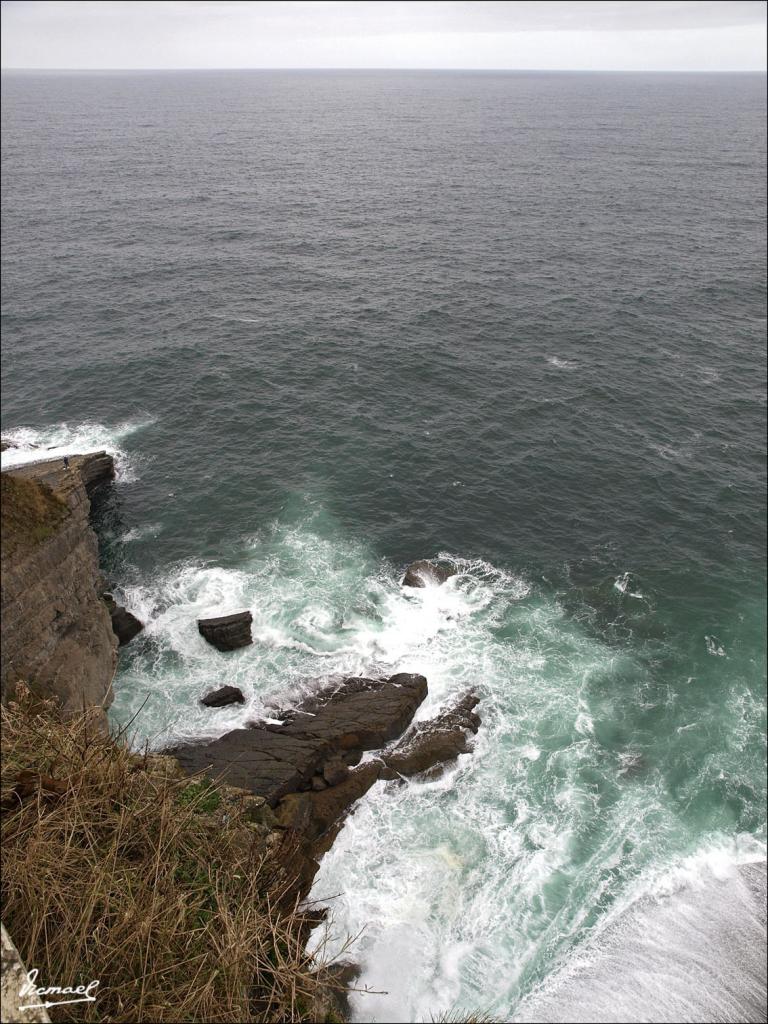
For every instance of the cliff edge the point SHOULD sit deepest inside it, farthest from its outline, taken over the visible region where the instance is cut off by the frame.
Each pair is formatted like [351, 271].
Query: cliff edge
[56, 630]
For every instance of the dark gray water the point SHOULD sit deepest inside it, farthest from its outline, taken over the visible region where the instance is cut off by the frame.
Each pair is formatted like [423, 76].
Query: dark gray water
[333, 321]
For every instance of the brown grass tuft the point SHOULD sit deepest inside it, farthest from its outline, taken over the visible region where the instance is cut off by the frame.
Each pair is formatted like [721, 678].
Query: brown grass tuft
[116, 867]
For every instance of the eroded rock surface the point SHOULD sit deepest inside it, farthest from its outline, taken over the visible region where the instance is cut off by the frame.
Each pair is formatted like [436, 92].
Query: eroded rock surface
[428, 746]
[56, 631]
[313, 813]
[358, 713]
[227, 632]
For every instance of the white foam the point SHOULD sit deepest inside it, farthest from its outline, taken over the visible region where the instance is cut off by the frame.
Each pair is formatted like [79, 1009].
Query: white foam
[141, 533]
[35, 445]
[622, 584]
[686, 944]
[466, 885]
[714, 647]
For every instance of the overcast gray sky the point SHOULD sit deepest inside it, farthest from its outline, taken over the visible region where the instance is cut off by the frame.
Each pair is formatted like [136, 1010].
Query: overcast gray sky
[643, 35]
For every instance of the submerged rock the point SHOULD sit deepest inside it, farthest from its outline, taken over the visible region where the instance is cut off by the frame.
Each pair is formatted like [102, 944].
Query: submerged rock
[222, 697]
[430, 745]
[227, 632]
[125, 625]
[425, 573]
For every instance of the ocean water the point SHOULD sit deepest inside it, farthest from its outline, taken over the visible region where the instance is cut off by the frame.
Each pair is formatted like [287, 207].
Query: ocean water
[330, 322]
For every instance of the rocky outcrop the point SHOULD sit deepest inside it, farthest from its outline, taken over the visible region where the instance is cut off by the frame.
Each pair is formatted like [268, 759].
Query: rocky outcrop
[95, 469]
[425, 574]
[430, 745]
[125, 625]
[227, 632]
[332, 1002]
[314, 813]
[56, 630]
[305, 763]
[222, 697]
[5, 444]
[337, 723]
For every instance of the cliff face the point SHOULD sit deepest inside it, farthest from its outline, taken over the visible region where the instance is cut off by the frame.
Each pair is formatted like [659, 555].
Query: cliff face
[56, 630]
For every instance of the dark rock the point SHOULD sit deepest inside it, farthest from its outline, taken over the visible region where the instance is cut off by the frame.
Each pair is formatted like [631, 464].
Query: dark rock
[274, 760]
[5, 444]
[358, 713]
[429, 745]
[330, 1000]
[222, 697]
[267, 763]
[125, 626]
[318, 783]
[313, 814]
[425, 573]
[335, 771]
[227, 632]
[297, 865]
[95, 469]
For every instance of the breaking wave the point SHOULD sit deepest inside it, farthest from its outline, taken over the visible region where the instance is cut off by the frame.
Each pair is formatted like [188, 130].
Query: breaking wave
[469, 891]
[37, 444]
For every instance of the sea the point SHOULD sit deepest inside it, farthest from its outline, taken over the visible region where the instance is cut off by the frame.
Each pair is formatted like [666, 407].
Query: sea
[329, 322]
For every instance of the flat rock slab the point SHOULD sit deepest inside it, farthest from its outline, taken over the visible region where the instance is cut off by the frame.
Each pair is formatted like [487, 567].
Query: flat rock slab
[227, 632]
[425, 574]
[343, 719]
[359, 713]
[223, 696]
[266, 763]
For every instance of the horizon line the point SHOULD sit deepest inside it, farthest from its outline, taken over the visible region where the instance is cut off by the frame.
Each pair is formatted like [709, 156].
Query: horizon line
[575, 71]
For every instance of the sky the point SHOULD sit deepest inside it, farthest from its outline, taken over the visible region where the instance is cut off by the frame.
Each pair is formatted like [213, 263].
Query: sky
[725, 35]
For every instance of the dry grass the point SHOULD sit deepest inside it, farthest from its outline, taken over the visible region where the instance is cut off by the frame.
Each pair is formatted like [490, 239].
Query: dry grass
[463, 1018]
[30, 511]
[115, 867]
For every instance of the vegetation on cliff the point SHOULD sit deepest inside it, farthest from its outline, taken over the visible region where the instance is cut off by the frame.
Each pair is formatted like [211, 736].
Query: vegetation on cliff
[116, 867]
[30, 513]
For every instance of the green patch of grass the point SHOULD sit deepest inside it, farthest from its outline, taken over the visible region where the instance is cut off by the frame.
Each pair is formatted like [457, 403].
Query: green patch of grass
[201, 796]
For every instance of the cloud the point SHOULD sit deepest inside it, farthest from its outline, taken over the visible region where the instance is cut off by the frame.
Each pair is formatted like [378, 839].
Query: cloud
[173, 33]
